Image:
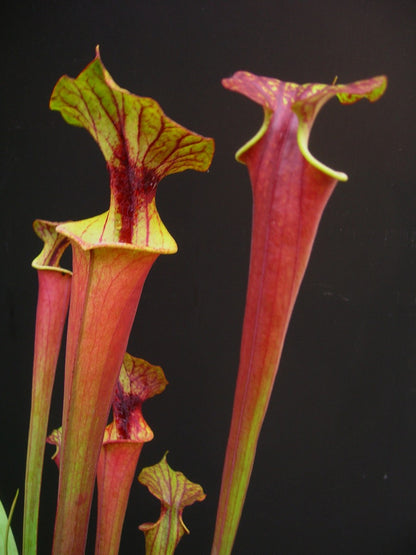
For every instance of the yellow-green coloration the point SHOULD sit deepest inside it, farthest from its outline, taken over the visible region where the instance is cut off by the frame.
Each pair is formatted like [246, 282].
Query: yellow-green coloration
[175, 492]
[7, 541]
[310, 99]
[152, 236]
[239, 156]
[140, 144]
[53, 247]
[112, 114]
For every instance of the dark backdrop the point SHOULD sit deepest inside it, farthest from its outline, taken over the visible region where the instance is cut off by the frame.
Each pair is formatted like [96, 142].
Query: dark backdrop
[335, 469]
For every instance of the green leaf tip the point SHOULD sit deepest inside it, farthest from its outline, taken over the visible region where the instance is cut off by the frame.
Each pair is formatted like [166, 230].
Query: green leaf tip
[175, 492]
[7, 540]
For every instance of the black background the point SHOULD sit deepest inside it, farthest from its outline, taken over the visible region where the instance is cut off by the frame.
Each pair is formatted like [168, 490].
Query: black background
[335, 468]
